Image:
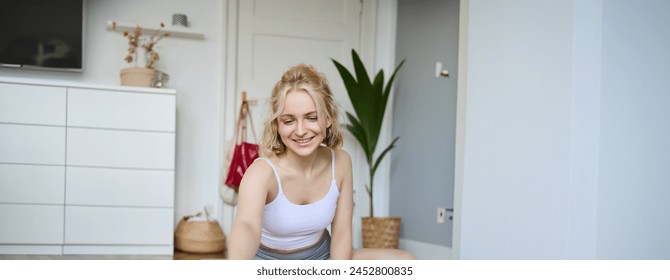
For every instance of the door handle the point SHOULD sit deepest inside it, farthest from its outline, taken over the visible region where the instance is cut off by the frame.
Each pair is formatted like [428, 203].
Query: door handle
[451, 216]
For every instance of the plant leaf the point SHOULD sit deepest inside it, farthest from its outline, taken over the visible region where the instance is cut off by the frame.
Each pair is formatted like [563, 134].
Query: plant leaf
[381, 156]
[359, 133]
[361, 73]
[369, 100]
[359, 99]
[351, 85]
[376, 118]
[387, 91]
[366, 97]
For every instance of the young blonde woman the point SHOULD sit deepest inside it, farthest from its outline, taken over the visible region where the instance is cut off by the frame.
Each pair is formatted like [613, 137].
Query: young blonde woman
[302, 183]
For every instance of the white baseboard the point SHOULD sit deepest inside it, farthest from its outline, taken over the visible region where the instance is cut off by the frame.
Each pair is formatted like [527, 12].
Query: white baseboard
[426, 251]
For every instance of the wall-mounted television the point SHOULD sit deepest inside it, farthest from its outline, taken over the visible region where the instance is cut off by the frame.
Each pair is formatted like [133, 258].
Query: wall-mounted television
[42, 34]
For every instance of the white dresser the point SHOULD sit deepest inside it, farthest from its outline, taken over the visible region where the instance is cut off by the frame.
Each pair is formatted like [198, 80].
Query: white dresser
[86, 169]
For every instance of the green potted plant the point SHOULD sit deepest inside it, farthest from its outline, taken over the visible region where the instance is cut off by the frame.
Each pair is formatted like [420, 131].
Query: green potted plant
[369, 99]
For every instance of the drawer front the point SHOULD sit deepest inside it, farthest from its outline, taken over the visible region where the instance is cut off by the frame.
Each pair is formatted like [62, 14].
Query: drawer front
[32, 184]
[110, 225]
[32, 144]
[120, 187]
[121, 110]
[31, 224]
[124, 149]
[32, 104]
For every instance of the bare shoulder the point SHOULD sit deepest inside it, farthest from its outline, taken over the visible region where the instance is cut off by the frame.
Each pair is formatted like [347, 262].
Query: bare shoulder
[254, 190]
[342, 157]
[343, 168]
[260, 166]
[259, 173]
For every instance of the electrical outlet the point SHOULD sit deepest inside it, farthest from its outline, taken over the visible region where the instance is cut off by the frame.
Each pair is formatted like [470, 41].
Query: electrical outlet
[441, 215]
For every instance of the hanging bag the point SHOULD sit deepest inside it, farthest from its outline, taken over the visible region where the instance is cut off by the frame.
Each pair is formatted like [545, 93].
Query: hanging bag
[228, 194]
[245, 152]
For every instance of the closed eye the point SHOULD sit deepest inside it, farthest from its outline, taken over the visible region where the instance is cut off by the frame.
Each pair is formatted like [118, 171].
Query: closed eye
[311, 116]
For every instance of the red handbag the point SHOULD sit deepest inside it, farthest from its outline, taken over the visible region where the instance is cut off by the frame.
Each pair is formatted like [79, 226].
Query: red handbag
[245, 152]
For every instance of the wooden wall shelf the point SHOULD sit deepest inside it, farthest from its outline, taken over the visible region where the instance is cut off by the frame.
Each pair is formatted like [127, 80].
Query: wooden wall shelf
[174, 31]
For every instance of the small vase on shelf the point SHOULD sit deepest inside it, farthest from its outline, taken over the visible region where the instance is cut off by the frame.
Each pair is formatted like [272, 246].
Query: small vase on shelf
[137, 77]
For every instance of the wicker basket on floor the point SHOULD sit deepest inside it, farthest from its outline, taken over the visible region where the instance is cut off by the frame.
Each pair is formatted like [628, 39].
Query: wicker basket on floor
[199, 236]
[381, 232]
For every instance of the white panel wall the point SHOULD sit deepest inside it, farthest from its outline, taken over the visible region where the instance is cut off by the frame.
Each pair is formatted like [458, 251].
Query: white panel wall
[584, 137]
[517, 126]
[546, 79]
[634, 188]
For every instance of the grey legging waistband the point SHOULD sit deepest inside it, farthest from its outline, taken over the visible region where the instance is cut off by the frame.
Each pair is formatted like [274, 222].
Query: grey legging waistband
[320, 251]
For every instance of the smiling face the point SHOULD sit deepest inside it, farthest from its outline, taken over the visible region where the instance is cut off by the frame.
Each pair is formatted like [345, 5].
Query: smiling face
[299, 125]
[297, 98]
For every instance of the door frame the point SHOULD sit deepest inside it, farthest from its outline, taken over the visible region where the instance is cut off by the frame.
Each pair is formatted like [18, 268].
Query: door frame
[461, 102]
[381, 57]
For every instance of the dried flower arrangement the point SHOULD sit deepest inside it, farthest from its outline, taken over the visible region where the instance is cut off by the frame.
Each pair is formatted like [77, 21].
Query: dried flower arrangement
[135, 41]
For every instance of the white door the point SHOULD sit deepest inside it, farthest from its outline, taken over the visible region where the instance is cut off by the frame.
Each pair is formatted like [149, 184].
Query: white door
[273, 35]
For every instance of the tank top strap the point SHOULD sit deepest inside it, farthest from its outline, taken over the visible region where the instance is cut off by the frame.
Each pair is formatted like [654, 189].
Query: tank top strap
[274, 169]
[332, 164]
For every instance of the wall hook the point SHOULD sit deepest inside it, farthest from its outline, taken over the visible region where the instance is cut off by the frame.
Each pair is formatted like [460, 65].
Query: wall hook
[439, 72]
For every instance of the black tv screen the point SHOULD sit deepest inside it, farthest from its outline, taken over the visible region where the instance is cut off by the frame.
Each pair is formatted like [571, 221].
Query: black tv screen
[42, 34]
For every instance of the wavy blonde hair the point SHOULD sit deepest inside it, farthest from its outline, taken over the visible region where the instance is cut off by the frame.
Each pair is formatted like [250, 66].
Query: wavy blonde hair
[306, 78]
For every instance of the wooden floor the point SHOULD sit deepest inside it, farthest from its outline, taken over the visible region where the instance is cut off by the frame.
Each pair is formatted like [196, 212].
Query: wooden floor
[178, 255]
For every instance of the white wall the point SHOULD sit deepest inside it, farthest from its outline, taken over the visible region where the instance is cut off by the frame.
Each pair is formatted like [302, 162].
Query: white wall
[517, 130]
[563, 128]
[585, 130]
[634, 190]
[195, 69]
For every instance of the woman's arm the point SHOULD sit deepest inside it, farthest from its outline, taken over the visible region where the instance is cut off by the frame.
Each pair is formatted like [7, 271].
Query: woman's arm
[246, 233]
[341, 242]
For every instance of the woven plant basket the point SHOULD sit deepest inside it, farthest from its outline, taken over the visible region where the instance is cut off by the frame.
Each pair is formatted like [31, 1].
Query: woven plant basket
[381, 232]
[199, 236]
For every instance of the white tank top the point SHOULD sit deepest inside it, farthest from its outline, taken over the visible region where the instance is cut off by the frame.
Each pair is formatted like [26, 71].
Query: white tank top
[290, 226]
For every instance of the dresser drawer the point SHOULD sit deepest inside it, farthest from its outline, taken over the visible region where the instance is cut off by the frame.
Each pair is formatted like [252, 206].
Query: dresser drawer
[32, 144]
[31, 224]
[126, 226]
[124, 149]
[121, 110]
[32, 184]
[32, 104]
[119, 187]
